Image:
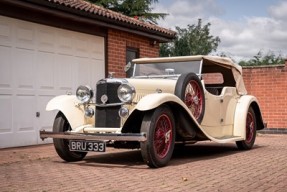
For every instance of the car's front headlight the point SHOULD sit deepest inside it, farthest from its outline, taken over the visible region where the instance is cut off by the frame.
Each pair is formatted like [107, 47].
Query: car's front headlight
[126, 93]
[84, 93]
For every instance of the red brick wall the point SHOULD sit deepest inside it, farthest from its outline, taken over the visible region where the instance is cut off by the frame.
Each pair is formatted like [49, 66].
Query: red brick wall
[118, 41]
[269, 85]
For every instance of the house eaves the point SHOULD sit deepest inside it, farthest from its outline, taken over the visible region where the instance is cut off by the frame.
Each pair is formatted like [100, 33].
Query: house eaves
[83, 11]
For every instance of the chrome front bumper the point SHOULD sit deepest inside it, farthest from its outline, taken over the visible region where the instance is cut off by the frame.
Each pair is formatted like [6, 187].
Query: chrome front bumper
[94, 136]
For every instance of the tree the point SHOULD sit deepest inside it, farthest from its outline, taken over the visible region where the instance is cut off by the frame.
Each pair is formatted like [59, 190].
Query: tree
[134, 8]
[269, 58]
[193, 40]
[165, 50]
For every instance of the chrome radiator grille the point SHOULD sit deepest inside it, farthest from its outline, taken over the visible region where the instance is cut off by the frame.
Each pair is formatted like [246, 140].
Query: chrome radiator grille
[107, 116]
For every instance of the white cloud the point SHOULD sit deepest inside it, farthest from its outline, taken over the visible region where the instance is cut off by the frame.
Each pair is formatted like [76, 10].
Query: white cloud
[279, 11]
[241, 39]
[246, 38]
[195, 8]
[184, 12]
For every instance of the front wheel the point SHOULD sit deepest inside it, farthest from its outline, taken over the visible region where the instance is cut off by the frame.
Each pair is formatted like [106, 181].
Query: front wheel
[61, 124]
[159, 127]
[250, 127]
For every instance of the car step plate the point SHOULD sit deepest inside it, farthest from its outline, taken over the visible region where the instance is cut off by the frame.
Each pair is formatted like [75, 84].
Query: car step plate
[87, 146]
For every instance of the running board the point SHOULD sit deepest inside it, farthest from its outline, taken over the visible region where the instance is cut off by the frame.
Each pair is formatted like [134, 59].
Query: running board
[226, 139]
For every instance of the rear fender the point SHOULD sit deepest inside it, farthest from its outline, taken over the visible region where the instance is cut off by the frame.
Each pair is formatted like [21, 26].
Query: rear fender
[241, 113]
[69, 106]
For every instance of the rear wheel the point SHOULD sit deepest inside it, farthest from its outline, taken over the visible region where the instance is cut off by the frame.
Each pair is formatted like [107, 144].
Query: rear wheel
[250, 127]
[160, 129]
[61, 124]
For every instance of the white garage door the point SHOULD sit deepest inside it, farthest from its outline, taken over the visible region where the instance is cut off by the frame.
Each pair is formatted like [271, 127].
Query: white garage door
[37, 63]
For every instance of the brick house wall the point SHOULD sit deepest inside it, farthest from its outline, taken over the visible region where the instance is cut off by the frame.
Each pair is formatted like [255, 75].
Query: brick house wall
[269, 85]
[119, 41]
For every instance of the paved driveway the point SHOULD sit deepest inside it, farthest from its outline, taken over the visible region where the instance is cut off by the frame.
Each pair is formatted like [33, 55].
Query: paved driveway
[204, 166]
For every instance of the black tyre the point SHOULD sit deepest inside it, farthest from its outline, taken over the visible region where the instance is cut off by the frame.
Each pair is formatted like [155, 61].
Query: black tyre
[62, 145]
[251, 127]
[160, 129]
[189, 89]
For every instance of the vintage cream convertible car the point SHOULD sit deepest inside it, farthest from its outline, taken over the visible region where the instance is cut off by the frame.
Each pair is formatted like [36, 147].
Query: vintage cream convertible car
[166, 101]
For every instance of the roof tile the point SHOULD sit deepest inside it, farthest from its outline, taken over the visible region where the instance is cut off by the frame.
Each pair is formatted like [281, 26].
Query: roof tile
[85, 6]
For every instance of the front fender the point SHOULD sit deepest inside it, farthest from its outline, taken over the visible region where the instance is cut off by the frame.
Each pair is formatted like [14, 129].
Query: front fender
[151, 101]
[69, 106]
[241, 113]
[181, 111]
[154, 100]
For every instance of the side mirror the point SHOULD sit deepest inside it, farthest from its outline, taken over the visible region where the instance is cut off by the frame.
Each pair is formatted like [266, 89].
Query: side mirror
[128, 66]
[169, 71]
[111, 74]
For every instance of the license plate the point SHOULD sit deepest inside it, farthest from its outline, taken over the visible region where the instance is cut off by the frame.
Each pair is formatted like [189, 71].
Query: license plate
[87, 146]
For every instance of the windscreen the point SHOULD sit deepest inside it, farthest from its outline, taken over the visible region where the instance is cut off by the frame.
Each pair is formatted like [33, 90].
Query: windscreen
[167, 68]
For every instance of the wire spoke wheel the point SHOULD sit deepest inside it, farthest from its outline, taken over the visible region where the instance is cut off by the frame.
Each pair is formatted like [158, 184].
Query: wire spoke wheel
[250, 123]
[194, 98]
[250, 129]
[189, 89]
[159, 127]
[162, 136]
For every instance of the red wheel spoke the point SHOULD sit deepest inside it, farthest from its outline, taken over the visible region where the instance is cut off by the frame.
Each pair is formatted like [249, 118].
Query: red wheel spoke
[163, 128]
[193, 98]
[249, 127]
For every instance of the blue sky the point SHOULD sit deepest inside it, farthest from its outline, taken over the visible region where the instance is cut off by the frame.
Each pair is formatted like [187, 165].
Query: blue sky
[236, 9]
[245, 27]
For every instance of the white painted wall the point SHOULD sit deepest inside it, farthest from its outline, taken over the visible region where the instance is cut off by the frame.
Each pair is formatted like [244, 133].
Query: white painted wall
[38, 62]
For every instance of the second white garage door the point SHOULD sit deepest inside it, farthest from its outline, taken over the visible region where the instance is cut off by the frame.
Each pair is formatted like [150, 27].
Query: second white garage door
[37, 63]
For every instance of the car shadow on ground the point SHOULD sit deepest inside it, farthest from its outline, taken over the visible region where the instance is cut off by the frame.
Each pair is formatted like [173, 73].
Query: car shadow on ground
[198, 152]
[204, 151]
[129, 158]
[182, 154]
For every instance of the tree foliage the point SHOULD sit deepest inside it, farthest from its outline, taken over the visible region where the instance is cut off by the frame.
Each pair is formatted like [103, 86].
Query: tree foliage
[134, 8]
[269, 58]
[193, 40]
